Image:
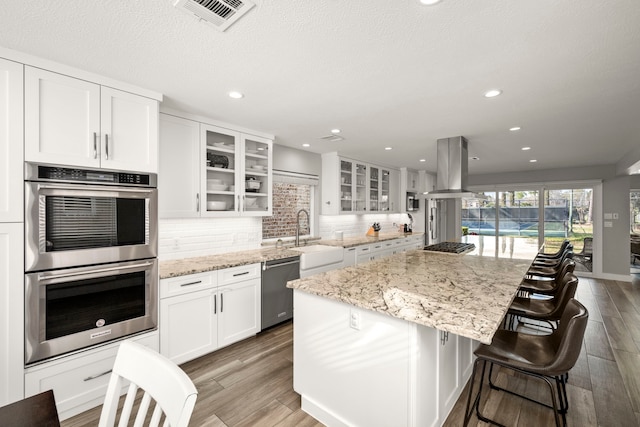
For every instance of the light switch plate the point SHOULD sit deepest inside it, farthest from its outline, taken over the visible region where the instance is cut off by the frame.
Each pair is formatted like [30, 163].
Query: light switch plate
[608, 224]
[608, 216]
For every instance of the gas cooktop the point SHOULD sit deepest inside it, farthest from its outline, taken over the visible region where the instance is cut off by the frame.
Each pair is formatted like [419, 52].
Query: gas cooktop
[451, 247]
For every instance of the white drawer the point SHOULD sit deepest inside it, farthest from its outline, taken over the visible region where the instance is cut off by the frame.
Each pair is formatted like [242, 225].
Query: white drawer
[238, 274]
[80, 381]
[190, 283]
[363, 249]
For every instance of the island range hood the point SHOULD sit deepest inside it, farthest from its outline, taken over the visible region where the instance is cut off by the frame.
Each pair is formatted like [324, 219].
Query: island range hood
[453, 165]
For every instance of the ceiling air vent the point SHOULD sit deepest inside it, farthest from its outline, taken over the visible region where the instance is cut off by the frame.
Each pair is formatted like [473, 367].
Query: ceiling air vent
[332, 138]
[219, 13]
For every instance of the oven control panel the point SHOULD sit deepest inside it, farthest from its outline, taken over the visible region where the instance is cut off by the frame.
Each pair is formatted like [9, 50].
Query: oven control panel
[92, 176]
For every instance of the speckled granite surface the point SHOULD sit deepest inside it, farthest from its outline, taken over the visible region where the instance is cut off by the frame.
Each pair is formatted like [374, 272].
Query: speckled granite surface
[182, 267]
[349, 242]
[462, 294]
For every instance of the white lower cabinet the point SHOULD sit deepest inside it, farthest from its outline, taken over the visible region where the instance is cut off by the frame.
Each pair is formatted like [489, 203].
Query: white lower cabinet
[79, 381]
[200, 313]
[12, 309]
[189, 325]
[448, 372]
[240, 313]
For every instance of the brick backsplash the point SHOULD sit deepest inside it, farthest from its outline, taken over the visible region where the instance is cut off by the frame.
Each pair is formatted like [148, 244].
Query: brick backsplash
[192, 237]
[288, 199]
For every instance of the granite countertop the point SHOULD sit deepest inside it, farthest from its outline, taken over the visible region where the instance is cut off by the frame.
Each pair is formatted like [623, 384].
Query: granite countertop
[182, 267]
[349, 242]
[463, 294]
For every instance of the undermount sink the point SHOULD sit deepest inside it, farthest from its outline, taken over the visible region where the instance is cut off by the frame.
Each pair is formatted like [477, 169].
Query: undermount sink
[318, 255]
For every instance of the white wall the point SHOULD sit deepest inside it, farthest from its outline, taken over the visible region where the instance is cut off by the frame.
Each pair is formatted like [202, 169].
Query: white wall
[294, 160]
[615, 239]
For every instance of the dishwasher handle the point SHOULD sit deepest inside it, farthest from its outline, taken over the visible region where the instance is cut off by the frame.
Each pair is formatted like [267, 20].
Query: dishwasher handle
[266, 266]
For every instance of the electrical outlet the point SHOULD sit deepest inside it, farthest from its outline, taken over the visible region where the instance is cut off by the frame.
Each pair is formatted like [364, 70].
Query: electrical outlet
[355, 321]
[616, 216]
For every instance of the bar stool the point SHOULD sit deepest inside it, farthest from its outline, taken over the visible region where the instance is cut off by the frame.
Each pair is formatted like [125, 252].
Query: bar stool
[556, 255]
[549, 270]
[547, 285]
[547, 310]
[547, 357]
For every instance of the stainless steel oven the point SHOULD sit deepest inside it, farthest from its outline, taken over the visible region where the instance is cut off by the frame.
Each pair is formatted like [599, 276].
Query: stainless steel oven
[77, 217]
[74, 308]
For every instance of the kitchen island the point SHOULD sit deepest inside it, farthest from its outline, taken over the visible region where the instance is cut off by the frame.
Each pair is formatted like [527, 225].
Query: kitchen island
[390, 342]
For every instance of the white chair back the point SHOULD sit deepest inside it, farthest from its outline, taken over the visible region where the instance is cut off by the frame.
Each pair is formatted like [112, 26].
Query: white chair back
[161, 380]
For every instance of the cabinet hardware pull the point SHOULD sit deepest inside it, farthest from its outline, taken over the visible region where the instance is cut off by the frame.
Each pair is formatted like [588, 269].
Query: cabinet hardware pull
[106, 146]
[43, 277]
[221, 302]
[240, 274]
[191, 283]
[197, 202]
[93, 377]
[95, 145]
[215, 304]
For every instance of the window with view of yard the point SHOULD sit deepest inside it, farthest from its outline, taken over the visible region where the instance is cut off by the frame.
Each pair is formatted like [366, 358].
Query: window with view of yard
[512, 223]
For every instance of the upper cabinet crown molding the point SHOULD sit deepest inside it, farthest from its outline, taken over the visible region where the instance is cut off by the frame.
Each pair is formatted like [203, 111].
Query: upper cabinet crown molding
[68, 70]
[217, 123]
[69, 121]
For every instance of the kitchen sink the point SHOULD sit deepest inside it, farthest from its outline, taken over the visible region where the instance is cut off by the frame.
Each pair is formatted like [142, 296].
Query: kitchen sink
[318, 255]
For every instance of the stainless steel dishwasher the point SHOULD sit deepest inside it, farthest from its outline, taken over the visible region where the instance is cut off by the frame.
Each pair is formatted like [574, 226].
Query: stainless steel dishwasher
[277, 299]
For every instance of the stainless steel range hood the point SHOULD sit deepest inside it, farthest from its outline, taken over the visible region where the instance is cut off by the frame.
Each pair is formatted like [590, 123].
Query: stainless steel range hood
[453, 164]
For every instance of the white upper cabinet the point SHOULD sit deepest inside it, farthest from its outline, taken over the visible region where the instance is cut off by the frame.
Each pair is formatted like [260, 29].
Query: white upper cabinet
[179, 168]
[236, 173]
[350, 186]
[74, 122]
[11, 142]
[129, 126]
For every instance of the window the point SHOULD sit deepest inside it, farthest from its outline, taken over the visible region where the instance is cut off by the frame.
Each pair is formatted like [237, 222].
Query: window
[511, 224]
[634, 213]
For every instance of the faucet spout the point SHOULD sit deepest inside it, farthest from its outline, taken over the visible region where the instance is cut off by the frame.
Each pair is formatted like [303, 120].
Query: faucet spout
[298, 224]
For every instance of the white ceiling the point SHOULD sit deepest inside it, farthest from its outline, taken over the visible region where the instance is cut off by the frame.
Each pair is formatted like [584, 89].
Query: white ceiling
[387, 72]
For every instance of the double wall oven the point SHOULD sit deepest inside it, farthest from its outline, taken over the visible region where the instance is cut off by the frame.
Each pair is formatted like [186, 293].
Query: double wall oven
[91, 273]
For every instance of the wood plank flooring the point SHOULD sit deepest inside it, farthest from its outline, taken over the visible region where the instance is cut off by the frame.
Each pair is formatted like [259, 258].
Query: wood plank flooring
[250, 383]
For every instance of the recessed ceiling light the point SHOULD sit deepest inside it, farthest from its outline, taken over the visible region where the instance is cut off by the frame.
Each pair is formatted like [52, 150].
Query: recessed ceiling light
[388, 148]
[306, 145]
[429, 2]
[526, 148]
[236, 95]
[423, 160]
[492, 93]
[532, 161]
[515, 128]
[335, 131]
[474, 158]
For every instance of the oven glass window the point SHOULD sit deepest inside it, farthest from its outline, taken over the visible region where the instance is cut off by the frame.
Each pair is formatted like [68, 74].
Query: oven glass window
[94, 222]
[87, 304]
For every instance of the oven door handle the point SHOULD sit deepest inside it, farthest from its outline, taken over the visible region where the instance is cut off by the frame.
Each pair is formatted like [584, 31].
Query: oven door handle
[84, 188]
[48, 277]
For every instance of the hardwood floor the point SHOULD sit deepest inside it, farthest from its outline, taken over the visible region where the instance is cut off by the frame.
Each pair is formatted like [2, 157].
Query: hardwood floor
[251, 383]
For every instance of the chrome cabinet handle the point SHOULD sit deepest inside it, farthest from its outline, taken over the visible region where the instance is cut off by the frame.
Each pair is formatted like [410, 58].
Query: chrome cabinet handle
[191, 283]
[215, 304]
[106, 146]
[95, 145]
[240, 274]
[93, 377]
[221, 302]
[197, 202]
